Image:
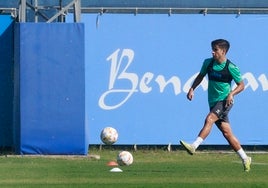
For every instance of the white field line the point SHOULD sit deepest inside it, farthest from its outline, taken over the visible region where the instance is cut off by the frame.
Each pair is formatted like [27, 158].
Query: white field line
[253, 163]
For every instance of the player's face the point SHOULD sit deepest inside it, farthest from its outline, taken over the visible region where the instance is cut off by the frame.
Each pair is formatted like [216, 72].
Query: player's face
[218, 53]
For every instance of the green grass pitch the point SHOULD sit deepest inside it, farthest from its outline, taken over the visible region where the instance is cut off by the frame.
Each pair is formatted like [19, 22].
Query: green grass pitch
[151, 168]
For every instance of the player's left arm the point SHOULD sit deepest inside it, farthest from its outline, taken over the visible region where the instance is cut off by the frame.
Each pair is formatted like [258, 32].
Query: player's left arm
[239, 84]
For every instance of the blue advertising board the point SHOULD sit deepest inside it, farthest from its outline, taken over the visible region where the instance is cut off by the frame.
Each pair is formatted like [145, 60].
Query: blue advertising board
[139, 69]
[49, 96]
[6, 80]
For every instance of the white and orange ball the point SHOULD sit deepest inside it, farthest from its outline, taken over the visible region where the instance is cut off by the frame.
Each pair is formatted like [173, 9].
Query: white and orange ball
[109, 135]
[124, 158]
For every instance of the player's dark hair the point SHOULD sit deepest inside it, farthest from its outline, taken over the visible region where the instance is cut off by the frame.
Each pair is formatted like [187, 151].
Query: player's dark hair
[221, 43]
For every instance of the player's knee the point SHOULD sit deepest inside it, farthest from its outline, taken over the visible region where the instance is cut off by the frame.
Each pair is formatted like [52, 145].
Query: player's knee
[227, 134]
[210, 119]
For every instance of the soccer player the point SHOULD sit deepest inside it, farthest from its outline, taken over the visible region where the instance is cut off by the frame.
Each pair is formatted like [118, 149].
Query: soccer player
[221, 72]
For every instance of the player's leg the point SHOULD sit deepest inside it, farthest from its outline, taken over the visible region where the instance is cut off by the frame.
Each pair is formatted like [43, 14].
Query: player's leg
[204, 132]
[226, 130]
[235, 144]
[209, 121]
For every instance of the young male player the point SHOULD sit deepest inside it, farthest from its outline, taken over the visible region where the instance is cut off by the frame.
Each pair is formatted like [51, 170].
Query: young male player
[220, 73]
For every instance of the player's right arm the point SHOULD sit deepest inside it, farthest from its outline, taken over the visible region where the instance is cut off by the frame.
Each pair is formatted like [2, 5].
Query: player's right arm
[199, 78]
[196, 82]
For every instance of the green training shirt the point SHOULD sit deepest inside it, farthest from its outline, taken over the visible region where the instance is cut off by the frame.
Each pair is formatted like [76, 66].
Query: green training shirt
[218, 91]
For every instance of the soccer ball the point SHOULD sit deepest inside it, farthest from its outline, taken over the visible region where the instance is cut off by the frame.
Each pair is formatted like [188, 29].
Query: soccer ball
[124, 158]
[109, 135]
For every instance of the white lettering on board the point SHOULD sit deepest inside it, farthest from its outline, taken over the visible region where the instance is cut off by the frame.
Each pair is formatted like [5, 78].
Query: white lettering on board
[115, 75]
[120, 62]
